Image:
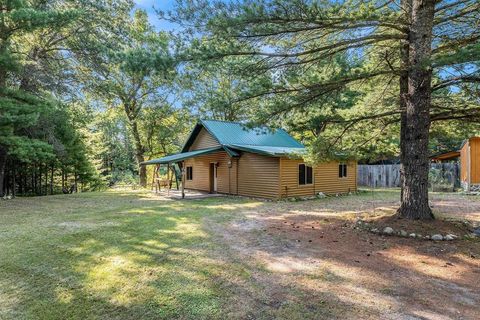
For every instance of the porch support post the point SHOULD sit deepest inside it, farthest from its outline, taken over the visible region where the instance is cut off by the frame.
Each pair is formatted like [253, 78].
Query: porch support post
[168, 179]
[183, 179]
[155, 178]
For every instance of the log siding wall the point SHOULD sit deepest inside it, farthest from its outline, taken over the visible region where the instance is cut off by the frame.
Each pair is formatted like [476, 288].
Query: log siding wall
[258, 176]
[325, 179]
[226, 177]
[475, 160]
[470, 161]
[204, 140]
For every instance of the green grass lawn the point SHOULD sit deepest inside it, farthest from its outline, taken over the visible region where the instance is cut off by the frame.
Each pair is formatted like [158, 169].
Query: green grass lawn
[133, 255]
[111, 255]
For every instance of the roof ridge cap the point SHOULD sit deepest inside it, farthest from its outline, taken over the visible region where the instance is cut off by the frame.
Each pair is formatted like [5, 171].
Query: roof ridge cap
[224, 121]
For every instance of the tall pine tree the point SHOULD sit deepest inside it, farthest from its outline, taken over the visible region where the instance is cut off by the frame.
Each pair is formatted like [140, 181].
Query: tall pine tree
[426, 45]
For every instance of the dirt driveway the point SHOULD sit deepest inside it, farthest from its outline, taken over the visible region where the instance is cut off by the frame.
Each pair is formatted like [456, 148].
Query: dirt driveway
[307, 254]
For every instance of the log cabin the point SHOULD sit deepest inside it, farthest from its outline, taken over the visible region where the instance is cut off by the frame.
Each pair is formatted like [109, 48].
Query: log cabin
[227, 157]
[469, 158]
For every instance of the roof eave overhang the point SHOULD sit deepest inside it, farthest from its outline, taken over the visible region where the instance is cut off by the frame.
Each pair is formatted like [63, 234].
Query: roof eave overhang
[263, 152]
[446, 156]
[195, 132]
[182, 156]
[192, 137]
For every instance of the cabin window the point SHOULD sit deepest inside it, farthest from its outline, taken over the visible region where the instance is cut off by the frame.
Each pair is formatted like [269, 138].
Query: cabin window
[189, 173]
[305, 174]
[342, 170]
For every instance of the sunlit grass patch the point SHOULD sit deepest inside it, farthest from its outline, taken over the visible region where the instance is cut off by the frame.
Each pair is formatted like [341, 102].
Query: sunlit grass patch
[110, 255]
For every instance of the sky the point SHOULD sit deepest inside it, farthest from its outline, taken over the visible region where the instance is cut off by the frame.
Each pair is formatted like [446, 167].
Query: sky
[149, 5]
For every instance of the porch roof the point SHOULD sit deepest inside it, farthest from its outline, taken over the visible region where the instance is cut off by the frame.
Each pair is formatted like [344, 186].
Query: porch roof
[182, 156]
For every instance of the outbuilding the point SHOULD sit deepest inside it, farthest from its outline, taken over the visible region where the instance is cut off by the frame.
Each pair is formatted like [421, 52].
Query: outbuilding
[469, 155]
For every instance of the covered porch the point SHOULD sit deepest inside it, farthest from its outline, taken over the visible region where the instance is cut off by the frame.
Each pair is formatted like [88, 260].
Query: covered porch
[177, 170]
[189, 194]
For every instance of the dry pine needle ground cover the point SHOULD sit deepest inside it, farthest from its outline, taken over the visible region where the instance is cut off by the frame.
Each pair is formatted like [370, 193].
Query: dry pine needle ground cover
[134, 255]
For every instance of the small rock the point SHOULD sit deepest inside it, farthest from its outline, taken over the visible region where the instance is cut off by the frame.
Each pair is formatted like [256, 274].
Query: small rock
[427, 237]
[477, 232]
[403, 233]
[412, 235]
[419, 236]
[437, 237]
[388, 230]
[449, 237]
[374, 230]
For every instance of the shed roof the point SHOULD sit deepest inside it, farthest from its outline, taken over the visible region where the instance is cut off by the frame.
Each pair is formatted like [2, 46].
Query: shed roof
[446, 156]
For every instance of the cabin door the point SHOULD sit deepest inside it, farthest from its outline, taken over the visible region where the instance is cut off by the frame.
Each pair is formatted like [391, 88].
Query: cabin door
[213, 178]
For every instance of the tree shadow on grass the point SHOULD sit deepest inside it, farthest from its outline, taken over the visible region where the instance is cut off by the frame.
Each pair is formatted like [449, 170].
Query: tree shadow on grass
[152, 262]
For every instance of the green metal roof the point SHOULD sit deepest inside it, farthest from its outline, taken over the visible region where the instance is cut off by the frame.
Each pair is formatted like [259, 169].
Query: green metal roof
[235, 136]
[270, 151]
[182, 156]
[235, 133]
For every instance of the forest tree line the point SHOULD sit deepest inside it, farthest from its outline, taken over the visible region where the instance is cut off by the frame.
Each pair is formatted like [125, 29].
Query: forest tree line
[90, 89]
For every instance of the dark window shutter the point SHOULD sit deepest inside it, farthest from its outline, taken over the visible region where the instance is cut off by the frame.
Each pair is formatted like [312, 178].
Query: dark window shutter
[342, 170]
[309, 175]
[189, 173]
[301, 174]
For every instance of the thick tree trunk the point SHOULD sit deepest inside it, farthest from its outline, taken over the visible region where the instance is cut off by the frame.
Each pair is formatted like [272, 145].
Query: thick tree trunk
[406, 6]
[139, 153]
[415, 157]
[3, 161]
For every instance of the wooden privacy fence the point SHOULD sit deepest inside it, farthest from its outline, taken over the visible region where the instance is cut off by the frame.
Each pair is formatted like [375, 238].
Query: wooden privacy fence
[442, 176]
